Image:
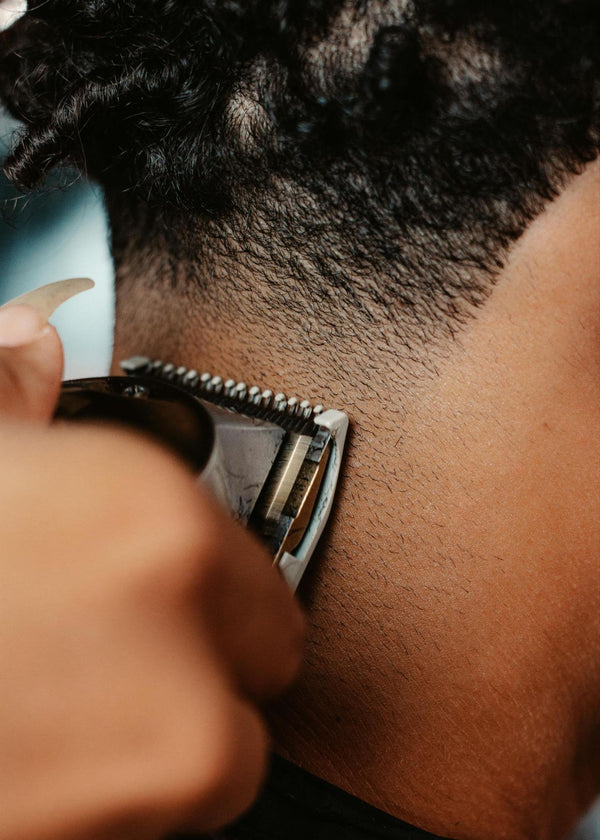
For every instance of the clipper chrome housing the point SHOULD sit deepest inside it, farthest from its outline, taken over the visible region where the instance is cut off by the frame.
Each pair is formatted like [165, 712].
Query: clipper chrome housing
[273, 462]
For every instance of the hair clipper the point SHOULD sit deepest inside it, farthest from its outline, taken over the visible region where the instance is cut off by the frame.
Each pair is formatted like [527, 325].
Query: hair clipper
[273, 462]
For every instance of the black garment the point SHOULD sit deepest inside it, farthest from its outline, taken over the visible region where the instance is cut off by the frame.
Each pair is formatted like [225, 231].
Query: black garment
[295, 805]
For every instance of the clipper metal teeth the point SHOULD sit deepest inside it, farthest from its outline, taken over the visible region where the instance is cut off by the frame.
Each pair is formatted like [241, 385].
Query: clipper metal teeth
[216, 384]
[189, 379]
[305, 409]
[294, 414]
[168, 372]
[240, 391]
[254, 395]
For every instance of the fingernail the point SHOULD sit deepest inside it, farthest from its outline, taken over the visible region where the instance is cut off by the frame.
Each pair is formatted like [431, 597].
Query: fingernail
[10, 12]
[20, 325]
[47, 299]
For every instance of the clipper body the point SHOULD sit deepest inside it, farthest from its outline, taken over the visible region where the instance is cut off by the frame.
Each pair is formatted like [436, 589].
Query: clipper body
[273, 462]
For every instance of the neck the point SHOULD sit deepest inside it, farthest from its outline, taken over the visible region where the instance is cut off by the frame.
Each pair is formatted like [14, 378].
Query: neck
[417, 696]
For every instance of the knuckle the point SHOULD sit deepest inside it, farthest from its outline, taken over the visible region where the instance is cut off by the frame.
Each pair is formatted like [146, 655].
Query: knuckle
[148, 504]
[171, 535]
[188, 549]
[175, 559]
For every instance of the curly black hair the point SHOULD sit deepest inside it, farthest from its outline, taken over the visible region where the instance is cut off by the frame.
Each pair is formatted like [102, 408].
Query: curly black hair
[397, 148]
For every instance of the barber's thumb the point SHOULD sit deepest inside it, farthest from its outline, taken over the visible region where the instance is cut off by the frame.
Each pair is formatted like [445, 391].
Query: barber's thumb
[31, 364]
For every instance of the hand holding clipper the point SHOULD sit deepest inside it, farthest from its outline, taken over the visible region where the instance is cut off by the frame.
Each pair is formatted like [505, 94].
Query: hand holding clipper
[140, 630]
[274, 463]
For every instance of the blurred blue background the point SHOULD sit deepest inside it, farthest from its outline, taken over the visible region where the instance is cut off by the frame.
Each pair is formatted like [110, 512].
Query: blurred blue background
[51, 235]
[61, 232]
[590, 827]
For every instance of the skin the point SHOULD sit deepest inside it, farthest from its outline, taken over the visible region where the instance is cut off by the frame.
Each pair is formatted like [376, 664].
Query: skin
[453, 666]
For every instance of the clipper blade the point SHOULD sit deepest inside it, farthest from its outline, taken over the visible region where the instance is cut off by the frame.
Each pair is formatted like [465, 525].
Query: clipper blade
[293, 501]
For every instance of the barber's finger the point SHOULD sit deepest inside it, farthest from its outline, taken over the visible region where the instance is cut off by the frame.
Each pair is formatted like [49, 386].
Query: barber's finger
[266, 639]
[31, 357]
[259, 625]
[31, 362]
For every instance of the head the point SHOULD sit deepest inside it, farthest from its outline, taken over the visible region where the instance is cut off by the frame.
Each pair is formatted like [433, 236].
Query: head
[393, 207]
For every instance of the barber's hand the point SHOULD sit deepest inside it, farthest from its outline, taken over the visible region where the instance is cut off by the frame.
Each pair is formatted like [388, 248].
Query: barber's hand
[140, 629]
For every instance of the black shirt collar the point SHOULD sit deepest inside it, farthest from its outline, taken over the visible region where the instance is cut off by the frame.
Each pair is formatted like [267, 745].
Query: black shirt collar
[296, 805]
